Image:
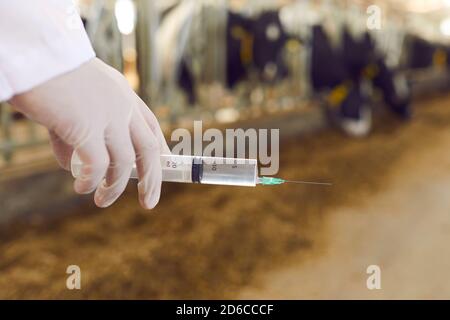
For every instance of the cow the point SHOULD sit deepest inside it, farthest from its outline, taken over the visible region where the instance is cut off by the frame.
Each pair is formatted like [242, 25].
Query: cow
[255, 43]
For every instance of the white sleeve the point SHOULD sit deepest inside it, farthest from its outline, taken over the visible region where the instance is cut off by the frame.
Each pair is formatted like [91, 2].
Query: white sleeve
[39, 40]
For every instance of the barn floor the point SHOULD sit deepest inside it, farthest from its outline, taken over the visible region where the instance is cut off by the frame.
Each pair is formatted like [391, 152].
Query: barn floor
[388, 205]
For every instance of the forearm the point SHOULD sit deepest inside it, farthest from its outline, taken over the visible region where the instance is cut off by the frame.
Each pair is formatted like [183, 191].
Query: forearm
[39, 40]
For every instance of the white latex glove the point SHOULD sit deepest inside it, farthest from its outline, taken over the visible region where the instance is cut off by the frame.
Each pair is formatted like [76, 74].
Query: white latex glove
[94, 111]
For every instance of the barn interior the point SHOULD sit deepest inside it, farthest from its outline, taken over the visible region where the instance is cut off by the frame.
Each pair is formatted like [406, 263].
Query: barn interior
[360, 93]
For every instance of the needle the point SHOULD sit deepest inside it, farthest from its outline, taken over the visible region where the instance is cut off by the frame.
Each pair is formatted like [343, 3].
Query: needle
[309, 182]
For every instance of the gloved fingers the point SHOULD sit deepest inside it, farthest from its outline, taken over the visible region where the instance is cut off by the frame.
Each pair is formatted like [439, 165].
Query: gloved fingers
[122, 159]
[148, 163]
[94, 156]
[153, 124]
[63, 151]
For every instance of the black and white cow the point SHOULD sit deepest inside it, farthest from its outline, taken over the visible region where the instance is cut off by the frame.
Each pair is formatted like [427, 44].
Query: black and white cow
[346, 72]
[255, 43]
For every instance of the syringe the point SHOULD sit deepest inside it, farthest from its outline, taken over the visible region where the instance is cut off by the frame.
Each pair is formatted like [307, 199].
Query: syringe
[206, 170]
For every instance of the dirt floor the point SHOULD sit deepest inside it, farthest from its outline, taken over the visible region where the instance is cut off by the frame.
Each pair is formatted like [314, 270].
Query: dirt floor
[389, 205]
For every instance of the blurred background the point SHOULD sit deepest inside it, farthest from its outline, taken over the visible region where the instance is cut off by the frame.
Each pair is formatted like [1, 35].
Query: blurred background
[360, 91]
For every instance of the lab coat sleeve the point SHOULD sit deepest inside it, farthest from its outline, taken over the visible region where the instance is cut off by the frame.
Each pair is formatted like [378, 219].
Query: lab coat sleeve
[39, 40]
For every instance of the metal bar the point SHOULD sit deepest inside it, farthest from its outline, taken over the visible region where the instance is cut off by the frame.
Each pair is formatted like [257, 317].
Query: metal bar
[13, 146]
[5, 122]
[146, 25]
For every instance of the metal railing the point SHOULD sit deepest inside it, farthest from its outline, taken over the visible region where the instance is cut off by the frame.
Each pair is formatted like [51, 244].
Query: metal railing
[10, 142]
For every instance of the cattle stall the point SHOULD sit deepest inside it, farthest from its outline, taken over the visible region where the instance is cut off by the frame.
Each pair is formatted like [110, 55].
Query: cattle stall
[356, 93]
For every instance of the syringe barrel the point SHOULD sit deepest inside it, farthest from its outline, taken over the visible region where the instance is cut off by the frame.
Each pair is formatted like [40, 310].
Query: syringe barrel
[196, 169]
[228, 171]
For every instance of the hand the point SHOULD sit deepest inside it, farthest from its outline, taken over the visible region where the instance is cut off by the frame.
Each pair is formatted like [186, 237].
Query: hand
[94, 111]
